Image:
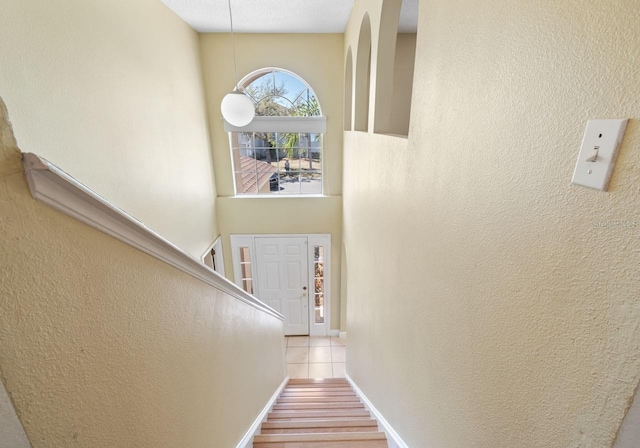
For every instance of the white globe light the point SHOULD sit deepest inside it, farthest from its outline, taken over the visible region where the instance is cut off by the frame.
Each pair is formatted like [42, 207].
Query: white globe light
[237, 109]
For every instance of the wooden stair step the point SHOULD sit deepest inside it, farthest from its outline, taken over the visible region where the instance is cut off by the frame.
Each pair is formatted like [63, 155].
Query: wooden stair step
[297, 406]
[338, 399]
[292, 415]
[319, 413]
[317, 380]
[318, 423]
[320, 426]
[318, 385]
[326, 444]
[317, 389]
[319, 394]
[321, 437]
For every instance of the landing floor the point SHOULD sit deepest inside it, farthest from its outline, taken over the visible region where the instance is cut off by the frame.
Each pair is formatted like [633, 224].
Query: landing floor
[316, 357]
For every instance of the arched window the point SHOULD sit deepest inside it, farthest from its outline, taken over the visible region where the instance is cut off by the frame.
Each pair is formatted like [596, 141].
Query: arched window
[280, 151]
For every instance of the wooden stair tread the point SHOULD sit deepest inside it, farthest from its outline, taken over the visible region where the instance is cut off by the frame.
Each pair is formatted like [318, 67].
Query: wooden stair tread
[337, 399]
[347, 436]
[319, 413]
[317, 380]
[308, 390]
[318, 424]
[345, 393]
[278, 415]
[325, 444]
[295, 406]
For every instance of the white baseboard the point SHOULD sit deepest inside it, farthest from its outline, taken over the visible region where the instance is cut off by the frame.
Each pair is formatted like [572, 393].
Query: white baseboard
[393, 439]
[247, 440]
[334, 333]
[343, 335]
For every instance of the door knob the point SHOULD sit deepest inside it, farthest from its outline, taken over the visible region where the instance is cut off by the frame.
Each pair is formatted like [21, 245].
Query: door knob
[304, 288]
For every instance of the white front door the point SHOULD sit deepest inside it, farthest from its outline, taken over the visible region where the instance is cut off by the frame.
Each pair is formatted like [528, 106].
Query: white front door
[283, 280]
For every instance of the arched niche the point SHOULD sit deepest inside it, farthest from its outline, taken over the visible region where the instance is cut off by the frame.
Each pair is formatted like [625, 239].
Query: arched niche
[348, 92]
[394, 67]
[363, 76]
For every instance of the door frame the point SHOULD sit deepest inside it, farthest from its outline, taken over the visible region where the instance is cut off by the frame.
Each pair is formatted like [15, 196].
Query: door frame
[313, 239]
[218, 257]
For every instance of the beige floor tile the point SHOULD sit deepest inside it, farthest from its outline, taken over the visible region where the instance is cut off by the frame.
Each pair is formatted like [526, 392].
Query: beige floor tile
[297, 355]
[337, 342]
[339, 370]
[298, 370]
[339, 354]
[320, 370]
[320, 342]
[298, 341]
[319, 354]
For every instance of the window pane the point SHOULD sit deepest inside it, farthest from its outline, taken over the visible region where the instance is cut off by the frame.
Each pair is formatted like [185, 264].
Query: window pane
[274, 183]
[290, 183]
[246, 270]
[311, 182]
[245, 255]
[319, 309]
[278, 163]
[247, 285]
[247, 182]
[292, 85]
[318, 253]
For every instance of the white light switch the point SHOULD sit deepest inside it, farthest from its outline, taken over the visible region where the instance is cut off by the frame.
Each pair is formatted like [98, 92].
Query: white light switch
[598, 153]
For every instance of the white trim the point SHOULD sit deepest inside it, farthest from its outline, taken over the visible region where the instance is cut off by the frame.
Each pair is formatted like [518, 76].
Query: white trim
[316, 239]
[247, 440]
[62, 192]
[393, 438]
[343, 335]
[333, 333]
[11, 431]
[218, 257]
[305, 125]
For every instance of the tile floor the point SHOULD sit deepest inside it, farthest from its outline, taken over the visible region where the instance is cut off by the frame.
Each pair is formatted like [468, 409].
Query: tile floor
[316, 357]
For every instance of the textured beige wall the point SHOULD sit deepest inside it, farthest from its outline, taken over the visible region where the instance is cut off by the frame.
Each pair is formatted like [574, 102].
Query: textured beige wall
[102, 345]
[501, 308]
[319, 60]
[112, 93]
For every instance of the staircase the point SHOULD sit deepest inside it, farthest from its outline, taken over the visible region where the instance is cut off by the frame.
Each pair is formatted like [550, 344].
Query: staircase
[320, 413]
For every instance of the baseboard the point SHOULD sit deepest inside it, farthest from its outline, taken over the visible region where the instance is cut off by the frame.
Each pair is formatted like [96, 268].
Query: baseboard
[334, 333]
[247, 440]
[343, 335]
[393, 439]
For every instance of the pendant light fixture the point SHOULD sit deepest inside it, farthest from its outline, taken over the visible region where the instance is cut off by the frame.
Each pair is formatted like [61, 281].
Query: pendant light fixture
[236, 107]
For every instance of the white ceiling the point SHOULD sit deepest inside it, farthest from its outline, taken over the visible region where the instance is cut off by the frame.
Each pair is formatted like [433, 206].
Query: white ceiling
[278, 16]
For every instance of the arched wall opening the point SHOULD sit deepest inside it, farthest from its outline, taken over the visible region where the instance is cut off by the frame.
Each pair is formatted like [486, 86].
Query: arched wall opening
[348, 92]
[395, 66]
[363, 76]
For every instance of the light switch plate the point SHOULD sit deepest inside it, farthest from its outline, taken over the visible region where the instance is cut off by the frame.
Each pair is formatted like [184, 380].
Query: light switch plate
[601, 142]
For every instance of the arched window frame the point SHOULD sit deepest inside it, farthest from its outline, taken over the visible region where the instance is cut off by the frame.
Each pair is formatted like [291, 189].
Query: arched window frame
[314, 125]
[244, 182]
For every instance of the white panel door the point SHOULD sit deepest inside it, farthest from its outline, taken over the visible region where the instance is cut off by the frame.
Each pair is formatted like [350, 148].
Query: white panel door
[283, 280]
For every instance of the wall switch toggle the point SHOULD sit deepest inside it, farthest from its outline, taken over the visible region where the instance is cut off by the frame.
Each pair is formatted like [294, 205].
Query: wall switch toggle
[594, 155]
[598, 153]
